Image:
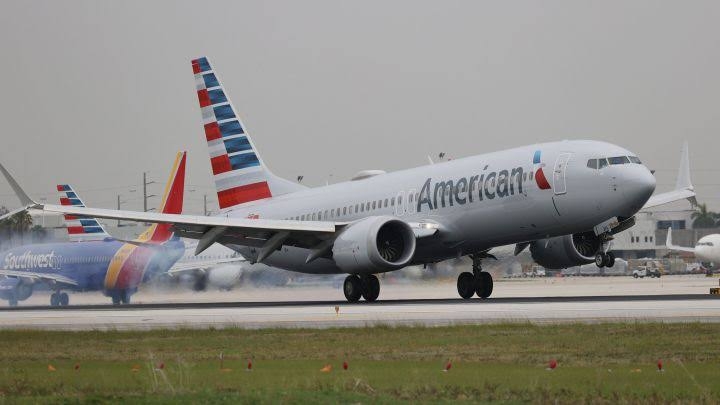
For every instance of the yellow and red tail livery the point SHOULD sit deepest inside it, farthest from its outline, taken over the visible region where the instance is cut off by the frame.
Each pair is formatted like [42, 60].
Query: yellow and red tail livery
[172, 202]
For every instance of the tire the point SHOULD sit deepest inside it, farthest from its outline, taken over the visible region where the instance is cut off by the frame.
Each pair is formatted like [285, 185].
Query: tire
[115, 298]
[466, 285]
[370, 288]
[600, 260]
[54, 300]
[64, 299]
[352, 288]
[13, 302]
[635, 275]
[484, 286]
[125, 296]
[610, 259]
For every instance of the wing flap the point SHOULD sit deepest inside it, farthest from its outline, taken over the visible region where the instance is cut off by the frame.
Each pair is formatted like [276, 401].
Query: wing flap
[39, 276]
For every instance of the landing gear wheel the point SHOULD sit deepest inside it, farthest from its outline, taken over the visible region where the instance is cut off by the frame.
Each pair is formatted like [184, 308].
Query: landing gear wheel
[13, 302]
[352, 288]
[54, 300]
[600, 260]
[466, 285]
[484, 285]
[125, 296]
[370, 287]
[609, 259]
[64, 300]
[115, 298]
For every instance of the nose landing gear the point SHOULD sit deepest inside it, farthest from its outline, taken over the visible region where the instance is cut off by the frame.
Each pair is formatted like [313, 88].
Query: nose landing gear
[478, 282]
[605, 259]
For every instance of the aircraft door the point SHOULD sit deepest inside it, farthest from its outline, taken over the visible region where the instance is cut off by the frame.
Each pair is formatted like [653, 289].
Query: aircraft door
[400, 204]
[559, 184]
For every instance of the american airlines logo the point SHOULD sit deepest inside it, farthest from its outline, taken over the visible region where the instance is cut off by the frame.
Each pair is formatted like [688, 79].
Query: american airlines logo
[29, 261]
[467, 189]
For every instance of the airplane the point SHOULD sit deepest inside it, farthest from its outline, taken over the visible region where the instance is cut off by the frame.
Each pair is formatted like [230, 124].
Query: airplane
[94, 260]
[707, 249]
[218, 266]
[565, 200]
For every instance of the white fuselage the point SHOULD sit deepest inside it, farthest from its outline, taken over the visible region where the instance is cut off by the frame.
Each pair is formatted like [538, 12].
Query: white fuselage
[478, 202]
[707, 249]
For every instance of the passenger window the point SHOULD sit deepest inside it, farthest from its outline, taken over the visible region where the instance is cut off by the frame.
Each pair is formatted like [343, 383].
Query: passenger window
[530, 176]
[373, 205]
[313, 216]
[362, 207]
[344, 210]
[367, 207]
[592, 163]
[618, 160]
[386, 201]
[634, 159]
[392, 202]
[399, 200]
[602, 163]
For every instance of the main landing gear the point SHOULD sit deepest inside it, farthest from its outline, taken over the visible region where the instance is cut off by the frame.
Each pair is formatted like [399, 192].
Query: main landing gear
[478, 282]
[120, 297]
[366, 285]
[59, 299]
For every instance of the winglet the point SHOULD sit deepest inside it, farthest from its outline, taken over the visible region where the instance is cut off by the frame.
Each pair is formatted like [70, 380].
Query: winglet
[683, 185]
[683, 180]
[25, 200]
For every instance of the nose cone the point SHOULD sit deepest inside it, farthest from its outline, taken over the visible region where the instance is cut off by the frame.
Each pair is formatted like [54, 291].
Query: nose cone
[638, 185]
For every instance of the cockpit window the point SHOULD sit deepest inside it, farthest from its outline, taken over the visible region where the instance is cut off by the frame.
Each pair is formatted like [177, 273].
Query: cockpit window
[706, 244]
[592, 163]
[634, 159]
[602, 163]
[619, 160]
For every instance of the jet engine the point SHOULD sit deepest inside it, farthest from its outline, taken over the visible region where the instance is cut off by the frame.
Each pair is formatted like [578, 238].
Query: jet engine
[566, 251]
[374, 245]
[13, 289]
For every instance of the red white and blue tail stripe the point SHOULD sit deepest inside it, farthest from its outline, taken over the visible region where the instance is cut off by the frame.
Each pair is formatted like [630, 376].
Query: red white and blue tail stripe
[240, 175]
[79, 228]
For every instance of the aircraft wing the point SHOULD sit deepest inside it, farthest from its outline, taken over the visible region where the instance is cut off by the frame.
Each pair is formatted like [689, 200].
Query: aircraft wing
[46, 277]
[202, 264]
[669, 244]
[266, 234]
[683, 187]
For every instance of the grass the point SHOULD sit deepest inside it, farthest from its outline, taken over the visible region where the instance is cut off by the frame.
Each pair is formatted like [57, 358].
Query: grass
[600, 363]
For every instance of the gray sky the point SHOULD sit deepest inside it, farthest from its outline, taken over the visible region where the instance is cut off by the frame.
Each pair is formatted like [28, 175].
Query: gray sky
[95, 92]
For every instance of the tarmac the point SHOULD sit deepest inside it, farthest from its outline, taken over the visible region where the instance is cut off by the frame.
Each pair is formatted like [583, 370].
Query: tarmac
[418, 302]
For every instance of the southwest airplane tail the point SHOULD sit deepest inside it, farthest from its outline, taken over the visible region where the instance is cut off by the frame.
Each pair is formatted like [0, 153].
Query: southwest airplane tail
[171, 203]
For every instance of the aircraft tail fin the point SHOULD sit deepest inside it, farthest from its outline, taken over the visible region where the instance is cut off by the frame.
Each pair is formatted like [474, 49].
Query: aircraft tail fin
[239, 172]
[172, 202]
[79, 228]
[684, 188]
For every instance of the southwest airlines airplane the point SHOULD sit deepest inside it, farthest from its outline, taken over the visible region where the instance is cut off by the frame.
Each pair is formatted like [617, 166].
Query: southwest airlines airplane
[565, 200]
[93, 260]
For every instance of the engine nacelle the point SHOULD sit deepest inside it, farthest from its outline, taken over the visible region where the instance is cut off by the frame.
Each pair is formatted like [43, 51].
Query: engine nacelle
[566, 251]
[14, 289]
[224, 277]
[374, 245]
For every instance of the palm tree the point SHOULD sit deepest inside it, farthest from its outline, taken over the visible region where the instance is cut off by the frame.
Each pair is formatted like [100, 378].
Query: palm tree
[702, 218]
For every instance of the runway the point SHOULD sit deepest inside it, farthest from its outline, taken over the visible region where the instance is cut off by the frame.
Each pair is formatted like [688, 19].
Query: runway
[674, 299]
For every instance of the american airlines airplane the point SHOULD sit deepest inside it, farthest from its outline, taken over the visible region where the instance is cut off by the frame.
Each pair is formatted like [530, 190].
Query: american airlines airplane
[565, 200]
[707, 249]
